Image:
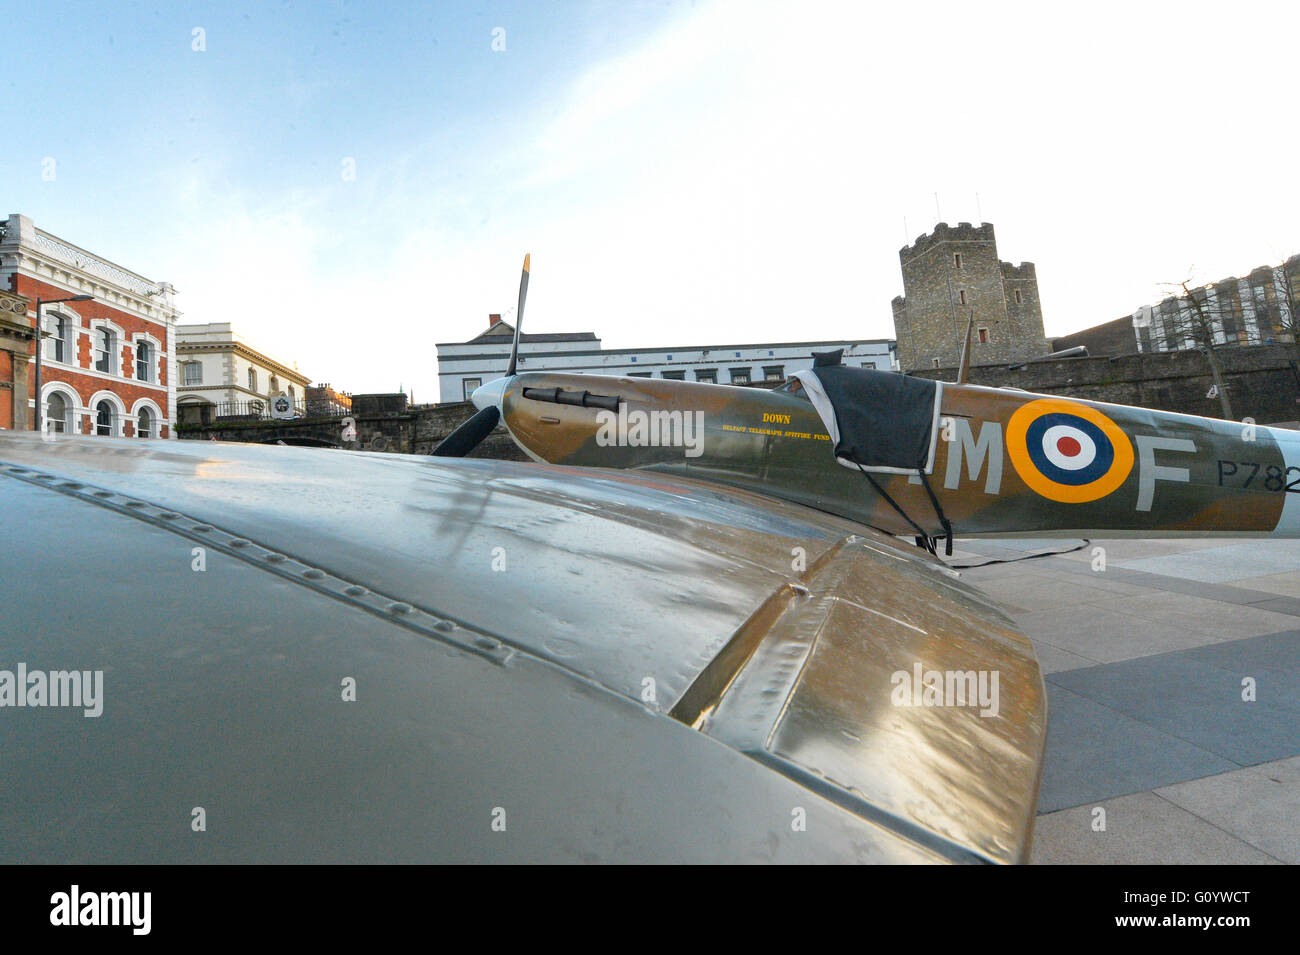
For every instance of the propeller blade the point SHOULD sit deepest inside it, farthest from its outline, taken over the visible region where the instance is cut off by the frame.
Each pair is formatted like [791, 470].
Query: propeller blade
[467, 437]
[519, 318]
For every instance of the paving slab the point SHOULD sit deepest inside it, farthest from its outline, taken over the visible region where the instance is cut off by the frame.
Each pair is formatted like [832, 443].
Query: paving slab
[1282, 769]
[1141, 829]
[1218, 619]
[1033, 592]
[1143, 664]
[1096, 753]
[1222, 564]
[1149, 582]
[1273, 660]
[1286, 605]
[1284, 585]
[1131, 548]
[1104, 581]
[1055, 660]
[1197, 697]
[1106, 635]
[1257, 807]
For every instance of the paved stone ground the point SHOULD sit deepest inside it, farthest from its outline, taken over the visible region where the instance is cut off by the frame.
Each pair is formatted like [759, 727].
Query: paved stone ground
[1144, 663]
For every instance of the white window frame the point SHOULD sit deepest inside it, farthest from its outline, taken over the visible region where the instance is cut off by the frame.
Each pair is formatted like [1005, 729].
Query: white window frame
[151, 406]
[112, 352]
[71, 402]
[155, 349]
[145, 362]
[118, 337]
[64, 321]
[119, 413]
[103, 430]
[101, 349]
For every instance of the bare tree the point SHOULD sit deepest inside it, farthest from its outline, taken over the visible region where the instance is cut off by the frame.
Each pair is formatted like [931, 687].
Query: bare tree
[1201, 317]
[1263, 306]
[1277, 301]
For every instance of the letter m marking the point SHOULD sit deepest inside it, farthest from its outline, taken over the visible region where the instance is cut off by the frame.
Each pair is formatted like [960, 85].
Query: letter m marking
[979, 454]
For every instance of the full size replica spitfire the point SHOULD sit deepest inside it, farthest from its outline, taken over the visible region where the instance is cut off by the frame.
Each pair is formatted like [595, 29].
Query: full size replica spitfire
[916, 457]
[1003, 463]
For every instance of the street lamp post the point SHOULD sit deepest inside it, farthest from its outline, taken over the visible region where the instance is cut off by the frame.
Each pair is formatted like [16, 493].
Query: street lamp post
[40, 343]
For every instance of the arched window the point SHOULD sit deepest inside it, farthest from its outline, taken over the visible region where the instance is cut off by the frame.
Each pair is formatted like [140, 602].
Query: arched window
[275, 385]
[252, 380]
[58, 416]
[105, 415]
[105, 351]
[143, 362]
[291, 394]
[56, 341]
[145, 427]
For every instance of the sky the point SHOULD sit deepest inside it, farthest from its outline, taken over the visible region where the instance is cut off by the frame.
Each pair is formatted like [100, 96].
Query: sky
[350, 183]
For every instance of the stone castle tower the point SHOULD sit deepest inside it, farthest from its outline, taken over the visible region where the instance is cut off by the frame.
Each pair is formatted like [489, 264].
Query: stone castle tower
[951, 273]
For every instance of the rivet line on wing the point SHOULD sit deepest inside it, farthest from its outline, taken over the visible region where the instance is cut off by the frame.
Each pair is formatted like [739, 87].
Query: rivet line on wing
[264, 558]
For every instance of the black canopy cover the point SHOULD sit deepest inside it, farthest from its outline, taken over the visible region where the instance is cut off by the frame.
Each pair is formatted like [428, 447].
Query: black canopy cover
[880, 420]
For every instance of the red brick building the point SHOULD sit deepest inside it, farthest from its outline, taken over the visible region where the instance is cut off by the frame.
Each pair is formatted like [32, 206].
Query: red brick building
[108, 366]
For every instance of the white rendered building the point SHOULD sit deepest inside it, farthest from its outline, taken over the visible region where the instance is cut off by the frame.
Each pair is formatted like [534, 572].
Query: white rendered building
[463, 366]
[221, 374]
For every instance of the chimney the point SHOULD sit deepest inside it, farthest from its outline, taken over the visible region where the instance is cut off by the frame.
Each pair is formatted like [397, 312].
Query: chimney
[494, 320]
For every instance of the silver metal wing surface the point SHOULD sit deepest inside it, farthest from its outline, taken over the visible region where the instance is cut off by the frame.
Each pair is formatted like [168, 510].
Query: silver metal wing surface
[617, 666]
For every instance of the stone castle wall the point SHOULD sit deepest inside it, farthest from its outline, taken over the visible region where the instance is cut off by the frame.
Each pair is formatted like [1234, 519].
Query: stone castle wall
[1263, 381]
[952, 274]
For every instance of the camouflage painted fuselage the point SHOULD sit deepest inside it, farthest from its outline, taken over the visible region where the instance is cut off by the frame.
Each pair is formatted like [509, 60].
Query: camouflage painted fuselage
[1150, 473]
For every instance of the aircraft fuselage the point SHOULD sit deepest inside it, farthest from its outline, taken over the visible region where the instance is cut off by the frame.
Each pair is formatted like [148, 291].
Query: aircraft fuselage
[1006, 462]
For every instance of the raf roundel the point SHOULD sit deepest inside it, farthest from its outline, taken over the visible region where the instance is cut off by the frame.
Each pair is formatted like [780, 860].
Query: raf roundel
[1068, 452]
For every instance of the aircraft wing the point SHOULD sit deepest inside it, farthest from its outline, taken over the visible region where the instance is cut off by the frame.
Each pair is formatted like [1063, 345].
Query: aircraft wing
[547, 664]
